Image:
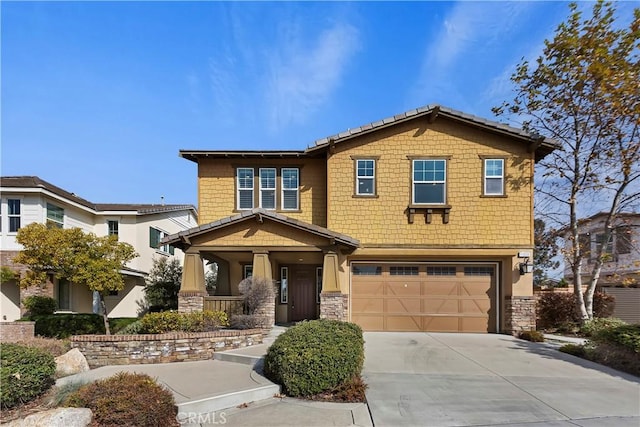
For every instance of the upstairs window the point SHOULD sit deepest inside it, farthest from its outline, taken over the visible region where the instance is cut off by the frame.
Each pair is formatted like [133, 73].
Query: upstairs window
[429, 182]
[14, 215]
[606, 247]
[268, 188]
[623, 240]
[494, 177]
[245, 188]
[365, 177]
[155, 236]
[55, 216]
[290, 189]
[113, 227]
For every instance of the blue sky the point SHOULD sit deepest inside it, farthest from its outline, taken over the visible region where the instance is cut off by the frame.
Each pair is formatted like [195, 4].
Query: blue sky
[98, 98]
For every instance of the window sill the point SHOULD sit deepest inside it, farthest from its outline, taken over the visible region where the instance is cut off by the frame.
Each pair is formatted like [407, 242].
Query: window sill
[493, 196]
[289, 211]
[365, 196]
[428, 210]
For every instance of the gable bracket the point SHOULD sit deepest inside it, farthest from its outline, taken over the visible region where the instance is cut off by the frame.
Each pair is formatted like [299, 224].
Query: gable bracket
[433, 115]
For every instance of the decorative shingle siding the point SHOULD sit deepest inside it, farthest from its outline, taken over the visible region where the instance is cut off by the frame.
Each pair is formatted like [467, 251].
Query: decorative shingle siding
[217, 191]
[474, 220]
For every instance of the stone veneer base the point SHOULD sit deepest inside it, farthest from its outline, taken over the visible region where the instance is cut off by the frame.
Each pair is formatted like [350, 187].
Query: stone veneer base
[102, 350]
[334, 306]
[520, 314]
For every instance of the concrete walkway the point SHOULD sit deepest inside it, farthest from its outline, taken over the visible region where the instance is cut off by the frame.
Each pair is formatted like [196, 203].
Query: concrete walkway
[430, 379]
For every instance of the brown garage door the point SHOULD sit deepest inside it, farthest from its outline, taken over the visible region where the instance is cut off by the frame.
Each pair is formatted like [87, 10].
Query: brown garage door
[434, 298]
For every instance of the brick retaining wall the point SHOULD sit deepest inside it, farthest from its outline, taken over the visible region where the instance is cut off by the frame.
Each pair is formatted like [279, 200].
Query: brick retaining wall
[102, 350]
[16, 331]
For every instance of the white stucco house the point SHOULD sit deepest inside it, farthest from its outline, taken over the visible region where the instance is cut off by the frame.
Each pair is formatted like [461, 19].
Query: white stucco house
[28, 199]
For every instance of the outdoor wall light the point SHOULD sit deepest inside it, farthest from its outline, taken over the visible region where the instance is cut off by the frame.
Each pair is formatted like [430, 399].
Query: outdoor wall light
[526, 266]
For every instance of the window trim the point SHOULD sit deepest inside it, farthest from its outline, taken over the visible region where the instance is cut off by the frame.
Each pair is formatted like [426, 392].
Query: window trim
[485, 177]
[55, 222]
[284, 285]
[247, 271]
[283, 189]
[319, 276]
[9, 215]
[356, 160]
[274, 189]
[170, 250]
[117, 228]
[444, 182]
[239, 189]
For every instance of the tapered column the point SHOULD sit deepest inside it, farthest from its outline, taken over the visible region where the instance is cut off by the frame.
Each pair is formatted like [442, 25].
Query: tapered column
[330, 278]
[192, 288]
[262, 265]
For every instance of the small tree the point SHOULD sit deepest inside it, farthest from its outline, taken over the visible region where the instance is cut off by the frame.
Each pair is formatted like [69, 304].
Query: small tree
[163, 284]
[71, 254]
[545, 251]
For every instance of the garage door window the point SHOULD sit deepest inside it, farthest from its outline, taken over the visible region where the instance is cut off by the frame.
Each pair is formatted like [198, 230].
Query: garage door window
[403, 271]
[478, 271]
[441, 271]
[367, 270]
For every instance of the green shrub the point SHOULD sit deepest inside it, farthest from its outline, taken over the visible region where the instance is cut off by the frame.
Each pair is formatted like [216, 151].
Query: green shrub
[533, 336]
[131, 329]
[25, 373]
[596, 325]
[172, 321]
[118, 323]
[627, 336]
[615, 356]
[38, 305]
[65, 325]
[315, 356]
[557, 309]
[573, 349]
[126, 399]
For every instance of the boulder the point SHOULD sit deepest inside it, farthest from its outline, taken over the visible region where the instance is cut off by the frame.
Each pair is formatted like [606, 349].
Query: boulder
[59, 417]
[70, 363]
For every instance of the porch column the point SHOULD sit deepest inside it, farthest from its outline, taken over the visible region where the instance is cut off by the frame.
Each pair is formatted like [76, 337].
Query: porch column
[333, 303]
[192, 288]
[262, 265]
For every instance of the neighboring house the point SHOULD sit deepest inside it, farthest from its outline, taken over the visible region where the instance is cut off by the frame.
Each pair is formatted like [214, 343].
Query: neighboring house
[621, 252]
[620, 273]
[418, 222]
[28, 199]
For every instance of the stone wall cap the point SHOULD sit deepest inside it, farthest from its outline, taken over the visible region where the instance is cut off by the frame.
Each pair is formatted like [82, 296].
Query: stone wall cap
[167, 336]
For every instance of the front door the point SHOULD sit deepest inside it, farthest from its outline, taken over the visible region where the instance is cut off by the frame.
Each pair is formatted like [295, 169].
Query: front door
[302, 293]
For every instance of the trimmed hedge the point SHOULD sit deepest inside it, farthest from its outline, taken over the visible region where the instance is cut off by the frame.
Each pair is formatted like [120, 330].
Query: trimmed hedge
[172, 321]
[38, 305]
[65, 325]
[315, 356]
[116, 324]
[25, 373]
[126, 399]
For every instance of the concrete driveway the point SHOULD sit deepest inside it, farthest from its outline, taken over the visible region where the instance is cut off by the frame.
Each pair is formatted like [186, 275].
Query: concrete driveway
[438, 379]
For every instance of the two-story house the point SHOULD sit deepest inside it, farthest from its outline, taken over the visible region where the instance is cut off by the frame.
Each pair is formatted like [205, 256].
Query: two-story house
[620, 273]
[28, 199]
[419, 222]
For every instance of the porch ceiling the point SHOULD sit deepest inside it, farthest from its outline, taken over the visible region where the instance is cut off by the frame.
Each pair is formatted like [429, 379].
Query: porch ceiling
[220, 232]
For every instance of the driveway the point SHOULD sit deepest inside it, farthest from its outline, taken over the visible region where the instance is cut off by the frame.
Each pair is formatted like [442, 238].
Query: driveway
[438, 379]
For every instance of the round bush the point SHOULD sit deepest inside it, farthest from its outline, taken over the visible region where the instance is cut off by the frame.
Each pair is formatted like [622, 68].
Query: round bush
[126, 399]
[25, 373]
[38, 305]
[315, 356]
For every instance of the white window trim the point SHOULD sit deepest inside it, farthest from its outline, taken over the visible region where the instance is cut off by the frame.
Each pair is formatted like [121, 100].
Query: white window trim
[275, 180]
[318, 283]
[247, 271]
[162, 249]
[284, 285]
[6, 204]
[297, 189]
[372, 177]
[238, 189]
[118, 227]
[487, 177]
[46, 214]
[414, 182]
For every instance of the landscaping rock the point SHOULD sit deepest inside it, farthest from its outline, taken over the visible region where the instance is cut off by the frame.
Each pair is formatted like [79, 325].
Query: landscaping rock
[70, 363]
[59, 417]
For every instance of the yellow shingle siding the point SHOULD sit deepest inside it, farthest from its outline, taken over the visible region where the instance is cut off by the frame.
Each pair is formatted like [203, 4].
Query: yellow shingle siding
[217, 187]
[474, 220]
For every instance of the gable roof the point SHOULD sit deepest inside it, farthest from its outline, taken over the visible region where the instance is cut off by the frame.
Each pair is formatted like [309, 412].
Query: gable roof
[177, 239]
[541, 145]
[139, 209]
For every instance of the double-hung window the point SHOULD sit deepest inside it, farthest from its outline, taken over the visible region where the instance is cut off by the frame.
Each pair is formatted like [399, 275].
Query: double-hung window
[365, 177]
[290, 189]
[155, 236]
[493, 177]
[268, 188]
[14, 215]
[55, 216]
[429, 182]
[113, 226]
[245, 188]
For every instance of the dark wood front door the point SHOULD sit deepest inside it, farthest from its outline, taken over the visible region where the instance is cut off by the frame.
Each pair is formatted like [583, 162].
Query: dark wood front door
[302, 293]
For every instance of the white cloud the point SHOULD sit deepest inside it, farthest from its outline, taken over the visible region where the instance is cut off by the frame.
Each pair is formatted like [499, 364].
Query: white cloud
[303, 77]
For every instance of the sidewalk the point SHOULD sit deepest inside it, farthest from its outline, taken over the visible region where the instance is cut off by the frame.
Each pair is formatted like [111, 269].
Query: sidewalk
[231, 390]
